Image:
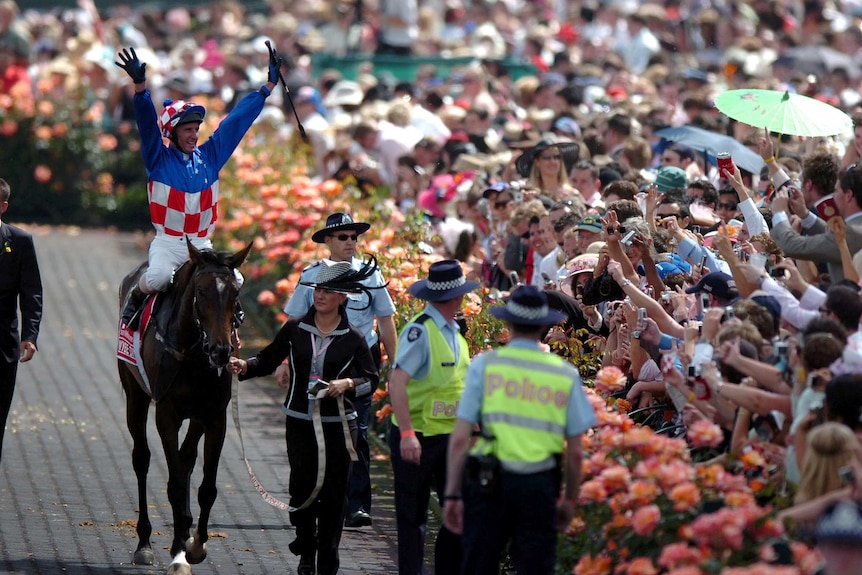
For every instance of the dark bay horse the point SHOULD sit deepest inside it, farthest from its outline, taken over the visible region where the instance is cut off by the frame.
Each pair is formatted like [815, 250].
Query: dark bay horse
[184, 350]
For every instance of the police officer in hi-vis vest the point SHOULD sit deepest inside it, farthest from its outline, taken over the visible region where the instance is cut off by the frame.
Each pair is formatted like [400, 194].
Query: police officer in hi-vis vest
[424, 387]
[520, 482]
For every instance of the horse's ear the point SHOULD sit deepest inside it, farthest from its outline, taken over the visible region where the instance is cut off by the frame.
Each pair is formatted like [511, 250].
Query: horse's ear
[194, 253]
[236, 259]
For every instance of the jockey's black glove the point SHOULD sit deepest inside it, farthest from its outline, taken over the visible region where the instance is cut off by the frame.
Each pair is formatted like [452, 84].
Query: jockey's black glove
[136, 70]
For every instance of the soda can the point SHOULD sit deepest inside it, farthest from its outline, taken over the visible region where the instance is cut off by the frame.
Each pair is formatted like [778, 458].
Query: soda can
[724, 162]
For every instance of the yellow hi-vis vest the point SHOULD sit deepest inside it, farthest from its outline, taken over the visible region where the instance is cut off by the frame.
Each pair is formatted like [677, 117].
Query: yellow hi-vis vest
[433, 400]
[525, 399]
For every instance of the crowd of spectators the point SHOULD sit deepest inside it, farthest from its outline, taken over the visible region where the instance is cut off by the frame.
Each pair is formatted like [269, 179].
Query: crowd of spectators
[732, 295]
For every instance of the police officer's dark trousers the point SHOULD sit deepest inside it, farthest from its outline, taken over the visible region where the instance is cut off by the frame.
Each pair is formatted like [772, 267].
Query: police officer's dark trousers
[413, 485]
[521, 510]
[359, 488]
[318, 526]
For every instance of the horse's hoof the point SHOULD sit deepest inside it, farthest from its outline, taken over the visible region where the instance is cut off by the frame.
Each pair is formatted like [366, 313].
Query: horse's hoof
[195, 552]
[144, 556]
[179, 569]
[179, 565]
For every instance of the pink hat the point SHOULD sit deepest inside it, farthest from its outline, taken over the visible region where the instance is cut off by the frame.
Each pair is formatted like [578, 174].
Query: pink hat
[582, 263]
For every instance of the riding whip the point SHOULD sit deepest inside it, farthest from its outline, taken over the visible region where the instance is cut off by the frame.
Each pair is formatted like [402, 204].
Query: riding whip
[287, 94]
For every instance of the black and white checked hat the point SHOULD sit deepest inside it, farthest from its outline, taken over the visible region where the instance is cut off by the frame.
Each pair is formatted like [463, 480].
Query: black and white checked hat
[445, 281]
[840, 523]
[334, 276]
[528, 305]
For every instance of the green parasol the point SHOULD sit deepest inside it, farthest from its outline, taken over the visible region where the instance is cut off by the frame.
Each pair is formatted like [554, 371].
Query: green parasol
[784, 113]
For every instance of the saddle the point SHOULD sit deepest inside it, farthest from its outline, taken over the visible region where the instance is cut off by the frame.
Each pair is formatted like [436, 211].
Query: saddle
[158, 311]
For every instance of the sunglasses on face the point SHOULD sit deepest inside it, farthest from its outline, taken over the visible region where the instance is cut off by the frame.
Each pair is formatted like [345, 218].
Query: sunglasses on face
[551, 157]
[620, 229]
[726, 205]
[345, 237]
[502, 204]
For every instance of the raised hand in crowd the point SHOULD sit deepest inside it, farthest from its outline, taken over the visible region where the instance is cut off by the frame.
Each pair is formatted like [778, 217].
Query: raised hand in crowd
[796, 201]
[613, 231]
[780, 201]
[838, 227]
[734, 178]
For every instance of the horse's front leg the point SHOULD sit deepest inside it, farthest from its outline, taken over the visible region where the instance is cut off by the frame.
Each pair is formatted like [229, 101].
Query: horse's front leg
[137, 410]
[196, 550]
[168, 423]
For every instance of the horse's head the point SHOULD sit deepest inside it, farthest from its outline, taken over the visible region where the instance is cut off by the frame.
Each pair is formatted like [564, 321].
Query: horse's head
[216, 291]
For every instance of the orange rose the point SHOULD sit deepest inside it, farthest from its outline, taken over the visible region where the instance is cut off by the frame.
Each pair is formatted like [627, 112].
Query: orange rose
[642, 566]
[645, 519]
[42, 174]
[610, 380]
[703, 433]
[266, 297]
[589, 566]
[684, 496]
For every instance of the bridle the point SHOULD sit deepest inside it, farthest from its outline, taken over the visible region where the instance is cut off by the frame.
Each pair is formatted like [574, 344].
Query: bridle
[209, 270]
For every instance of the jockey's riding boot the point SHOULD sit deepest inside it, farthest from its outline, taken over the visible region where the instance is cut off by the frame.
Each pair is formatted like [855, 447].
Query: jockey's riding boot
[132, 310]
[238, 315]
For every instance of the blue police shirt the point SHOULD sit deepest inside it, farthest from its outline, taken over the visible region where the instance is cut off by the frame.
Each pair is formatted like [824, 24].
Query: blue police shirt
[362, 319]
[580, 415]
[414, 350]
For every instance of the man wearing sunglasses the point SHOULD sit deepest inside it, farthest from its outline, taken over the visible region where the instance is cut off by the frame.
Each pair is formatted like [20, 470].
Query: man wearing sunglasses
[340, 235]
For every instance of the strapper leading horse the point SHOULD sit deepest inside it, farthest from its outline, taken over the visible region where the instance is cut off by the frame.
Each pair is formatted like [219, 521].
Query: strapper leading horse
[185, 349]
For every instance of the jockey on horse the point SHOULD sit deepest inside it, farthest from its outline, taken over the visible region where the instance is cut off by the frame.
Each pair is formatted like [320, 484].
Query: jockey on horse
[182, 177]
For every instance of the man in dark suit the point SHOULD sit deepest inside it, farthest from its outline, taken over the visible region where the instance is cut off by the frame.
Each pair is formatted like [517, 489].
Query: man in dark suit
[20, 286]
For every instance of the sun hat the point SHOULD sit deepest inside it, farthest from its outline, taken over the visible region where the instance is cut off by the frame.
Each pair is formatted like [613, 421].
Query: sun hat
[344, 93]
[329, 273]
[445, 281]
[527, 305]
[341, 277]
[670, 177]
[582, 263]
[337, 222]
[569, 150]
[178, 112]
[590, 223]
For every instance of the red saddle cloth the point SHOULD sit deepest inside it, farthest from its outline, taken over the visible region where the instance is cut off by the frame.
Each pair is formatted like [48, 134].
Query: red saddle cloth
[128, 341]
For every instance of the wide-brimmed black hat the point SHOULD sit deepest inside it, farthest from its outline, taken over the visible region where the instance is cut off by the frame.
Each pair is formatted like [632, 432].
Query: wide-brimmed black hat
[339, 221]
[528, 305]
[341, 277]
[445, 281]
[331, 275]
[569, 150]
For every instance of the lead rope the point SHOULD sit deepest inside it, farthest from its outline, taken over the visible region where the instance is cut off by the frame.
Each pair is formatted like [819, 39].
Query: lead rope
[321, 448]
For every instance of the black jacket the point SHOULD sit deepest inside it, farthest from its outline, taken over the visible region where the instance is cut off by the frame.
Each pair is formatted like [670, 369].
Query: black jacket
[20, 285]
[347, 356]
